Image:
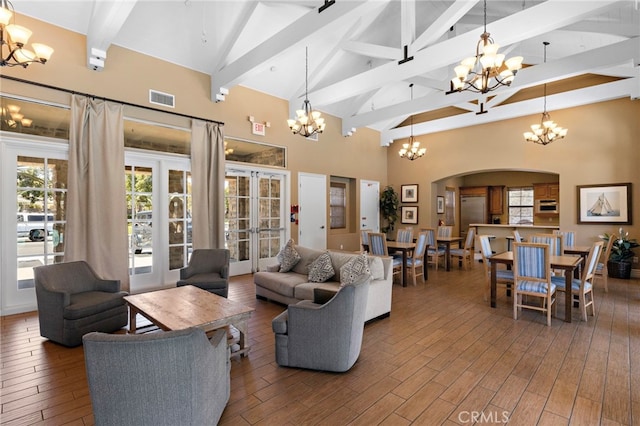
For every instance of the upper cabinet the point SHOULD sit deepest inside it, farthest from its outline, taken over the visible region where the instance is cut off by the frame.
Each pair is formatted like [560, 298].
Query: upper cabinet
[546, 191]
[496, 201]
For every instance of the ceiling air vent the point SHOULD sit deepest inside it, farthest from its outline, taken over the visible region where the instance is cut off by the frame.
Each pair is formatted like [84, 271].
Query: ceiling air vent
[164, 99]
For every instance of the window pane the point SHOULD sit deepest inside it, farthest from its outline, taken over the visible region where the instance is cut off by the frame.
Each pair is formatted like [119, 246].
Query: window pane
[20, 116]
[520, 206]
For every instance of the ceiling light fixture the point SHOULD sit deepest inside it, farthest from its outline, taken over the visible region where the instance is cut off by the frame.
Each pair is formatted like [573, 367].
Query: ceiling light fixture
[307, 122]
[13, 119]
[15, 37]
[547, 131]
[487, 70]
[411, 150]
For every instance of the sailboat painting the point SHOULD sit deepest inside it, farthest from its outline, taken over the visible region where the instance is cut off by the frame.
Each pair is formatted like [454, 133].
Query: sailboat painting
[604, 203]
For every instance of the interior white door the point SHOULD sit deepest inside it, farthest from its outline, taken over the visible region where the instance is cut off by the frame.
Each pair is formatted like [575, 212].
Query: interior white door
[370, 205]
[312, 198]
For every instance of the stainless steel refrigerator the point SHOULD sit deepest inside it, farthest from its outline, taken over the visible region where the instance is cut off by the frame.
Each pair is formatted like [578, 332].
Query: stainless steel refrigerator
[473, 209]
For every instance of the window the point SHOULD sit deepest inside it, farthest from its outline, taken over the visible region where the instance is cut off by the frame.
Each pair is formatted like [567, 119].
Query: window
[520, 206]
[338, 205]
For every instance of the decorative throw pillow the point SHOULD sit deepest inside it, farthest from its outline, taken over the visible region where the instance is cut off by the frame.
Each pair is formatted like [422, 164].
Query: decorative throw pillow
[377, 268]
[288, 257]
[353, 270]
[321, 269]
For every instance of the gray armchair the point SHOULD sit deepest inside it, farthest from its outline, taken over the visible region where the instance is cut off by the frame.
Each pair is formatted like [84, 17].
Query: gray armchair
[168, 378]
[73, 300]
[209, 270]
[325, 336]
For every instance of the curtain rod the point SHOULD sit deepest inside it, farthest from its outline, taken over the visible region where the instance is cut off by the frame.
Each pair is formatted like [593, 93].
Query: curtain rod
[73, 92]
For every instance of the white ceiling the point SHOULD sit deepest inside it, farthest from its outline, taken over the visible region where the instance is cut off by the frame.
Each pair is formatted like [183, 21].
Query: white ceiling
[355, 48]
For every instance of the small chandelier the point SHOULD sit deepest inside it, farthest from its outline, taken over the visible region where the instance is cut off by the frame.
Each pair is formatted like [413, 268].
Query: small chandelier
[12, 117]
[547, 131]
[15, 37]
[487, 70]
[307, 122]
[411, 150]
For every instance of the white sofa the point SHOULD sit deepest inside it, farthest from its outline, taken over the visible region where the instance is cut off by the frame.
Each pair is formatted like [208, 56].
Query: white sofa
[294, 286]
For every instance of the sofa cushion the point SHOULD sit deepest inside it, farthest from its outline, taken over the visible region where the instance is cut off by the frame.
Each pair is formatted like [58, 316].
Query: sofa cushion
[288, 257]
[278, 282]
[377, 268]
[321, 269]
[307, 256]
[92, 302]
[353, 270]
[338, 259]
[305, 291]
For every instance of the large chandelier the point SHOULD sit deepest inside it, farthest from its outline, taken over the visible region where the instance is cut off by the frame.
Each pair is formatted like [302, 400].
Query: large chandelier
[307, 122]
[411, 150]
[15, 38]
[547, 131]
[487, 70]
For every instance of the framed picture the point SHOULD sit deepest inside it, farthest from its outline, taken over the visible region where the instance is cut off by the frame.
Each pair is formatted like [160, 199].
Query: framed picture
[440, 204]
[409, 193]
[409, 214]
[607, 204]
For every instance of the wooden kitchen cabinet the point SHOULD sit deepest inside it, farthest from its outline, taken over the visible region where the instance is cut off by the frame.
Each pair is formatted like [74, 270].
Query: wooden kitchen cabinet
[546, 191]
[496, 199]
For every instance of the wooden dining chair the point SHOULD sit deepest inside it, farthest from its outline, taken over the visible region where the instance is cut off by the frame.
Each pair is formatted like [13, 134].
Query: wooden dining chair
[416, 263]
[405, 235]
[364, 238]
[465, 254]
[517, 238]
[569, 237]
[583, 286]
[556, 245]
[434, 253]
[444, 231]
[532, 278]
[602, 270]
[378, 247]
[504, 277]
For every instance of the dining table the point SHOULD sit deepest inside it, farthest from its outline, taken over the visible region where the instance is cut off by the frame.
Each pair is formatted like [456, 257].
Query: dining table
[568, 263]
[582, 251]
[447, 241]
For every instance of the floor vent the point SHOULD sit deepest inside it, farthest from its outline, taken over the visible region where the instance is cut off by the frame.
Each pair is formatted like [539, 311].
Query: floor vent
[159, 98]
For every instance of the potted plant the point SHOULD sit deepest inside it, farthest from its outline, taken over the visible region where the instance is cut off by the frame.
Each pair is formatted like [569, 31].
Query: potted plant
[389, 203]
[619, 262]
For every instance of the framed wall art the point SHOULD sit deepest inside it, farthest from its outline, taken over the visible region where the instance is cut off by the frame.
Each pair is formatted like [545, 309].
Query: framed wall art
[409, 214]
[607, 204]
[439, 204]
[409, 193]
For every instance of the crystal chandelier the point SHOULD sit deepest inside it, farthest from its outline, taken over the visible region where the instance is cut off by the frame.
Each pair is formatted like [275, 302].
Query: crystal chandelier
[307, 122]
[487, 70]
[411, 150]
[15, 37]
[547, 131]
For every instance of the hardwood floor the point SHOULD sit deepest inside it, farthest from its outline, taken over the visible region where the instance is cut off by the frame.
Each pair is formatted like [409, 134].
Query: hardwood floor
[442, 357]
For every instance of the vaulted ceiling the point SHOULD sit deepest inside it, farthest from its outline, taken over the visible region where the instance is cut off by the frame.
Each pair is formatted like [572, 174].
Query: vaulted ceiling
[356, 51]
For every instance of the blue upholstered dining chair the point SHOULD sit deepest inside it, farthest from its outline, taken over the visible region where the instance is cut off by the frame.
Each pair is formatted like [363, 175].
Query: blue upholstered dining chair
[434, 253]
[556, 245]
[569, 237]
[415, 264]
[601, 267]
[405, 235]
[583, 286]
[378, 247]
[465, 253]
[532, 278]
[364, 237]
[503, 276]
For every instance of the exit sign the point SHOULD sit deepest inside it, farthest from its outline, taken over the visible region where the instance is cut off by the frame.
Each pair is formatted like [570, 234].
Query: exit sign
[258, 129]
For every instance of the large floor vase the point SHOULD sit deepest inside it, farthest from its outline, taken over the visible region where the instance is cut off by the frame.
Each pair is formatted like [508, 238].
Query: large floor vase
[619, 269]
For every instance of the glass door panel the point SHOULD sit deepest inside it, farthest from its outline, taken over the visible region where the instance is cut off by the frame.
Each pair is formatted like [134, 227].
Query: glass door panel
[237, 221]
[179, 219]
[140, 210]
[270, 228]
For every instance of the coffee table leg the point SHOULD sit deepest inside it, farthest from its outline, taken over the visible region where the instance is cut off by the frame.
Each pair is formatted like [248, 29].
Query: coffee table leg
[132, 320]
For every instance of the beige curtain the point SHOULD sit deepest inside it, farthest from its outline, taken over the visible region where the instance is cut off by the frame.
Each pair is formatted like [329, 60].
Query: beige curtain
[207, 173]
[96, 229]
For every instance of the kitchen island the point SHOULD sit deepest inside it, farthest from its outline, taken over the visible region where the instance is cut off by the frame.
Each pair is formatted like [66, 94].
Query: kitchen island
[501, 232]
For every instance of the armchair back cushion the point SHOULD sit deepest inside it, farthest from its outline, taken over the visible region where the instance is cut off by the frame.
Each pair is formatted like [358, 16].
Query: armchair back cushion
[169, 378]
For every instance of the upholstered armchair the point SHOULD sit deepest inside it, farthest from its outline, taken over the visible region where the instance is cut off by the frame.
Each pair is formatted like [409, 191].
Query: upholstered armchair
[73, 300]
[209, 270]
[168, 378]
[323, 336]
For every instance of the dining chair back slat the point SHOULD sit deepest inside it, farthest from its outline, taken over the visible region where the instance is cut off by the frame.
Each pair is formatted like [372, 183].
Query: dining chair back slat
[602, 270]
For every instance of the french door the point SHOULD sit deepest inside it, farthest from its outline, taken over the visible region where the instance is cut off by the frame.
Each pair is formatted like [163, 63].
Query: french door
[255, 217]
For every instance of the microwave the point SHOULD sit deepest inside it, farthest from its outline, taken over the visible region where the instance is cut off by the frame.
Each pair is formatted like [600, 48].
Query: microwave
[546, 207]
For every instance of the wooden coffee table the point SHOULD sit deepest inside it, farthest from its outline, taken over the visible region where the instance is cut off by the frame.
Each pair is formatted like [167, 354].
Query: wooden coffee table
[188, 306]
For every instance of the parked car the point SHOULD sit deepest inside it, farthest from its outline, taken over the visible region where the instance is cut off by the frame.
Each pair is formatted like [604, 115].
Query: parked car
[32, 225]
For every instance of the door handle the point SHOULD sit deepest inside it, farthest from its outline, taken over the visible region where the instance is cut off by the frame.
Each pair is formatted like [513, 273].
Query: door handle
[322, 227]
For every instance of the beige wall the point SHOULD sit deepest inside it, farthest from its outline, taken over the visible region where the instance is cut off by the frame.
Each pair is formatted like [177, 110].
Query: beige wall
[602, 146]
[128, 76]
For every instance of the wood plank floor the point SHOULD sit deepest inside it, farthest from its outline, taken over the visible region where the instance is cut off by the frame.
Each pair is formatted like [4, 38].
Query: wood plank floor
[442, 357]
